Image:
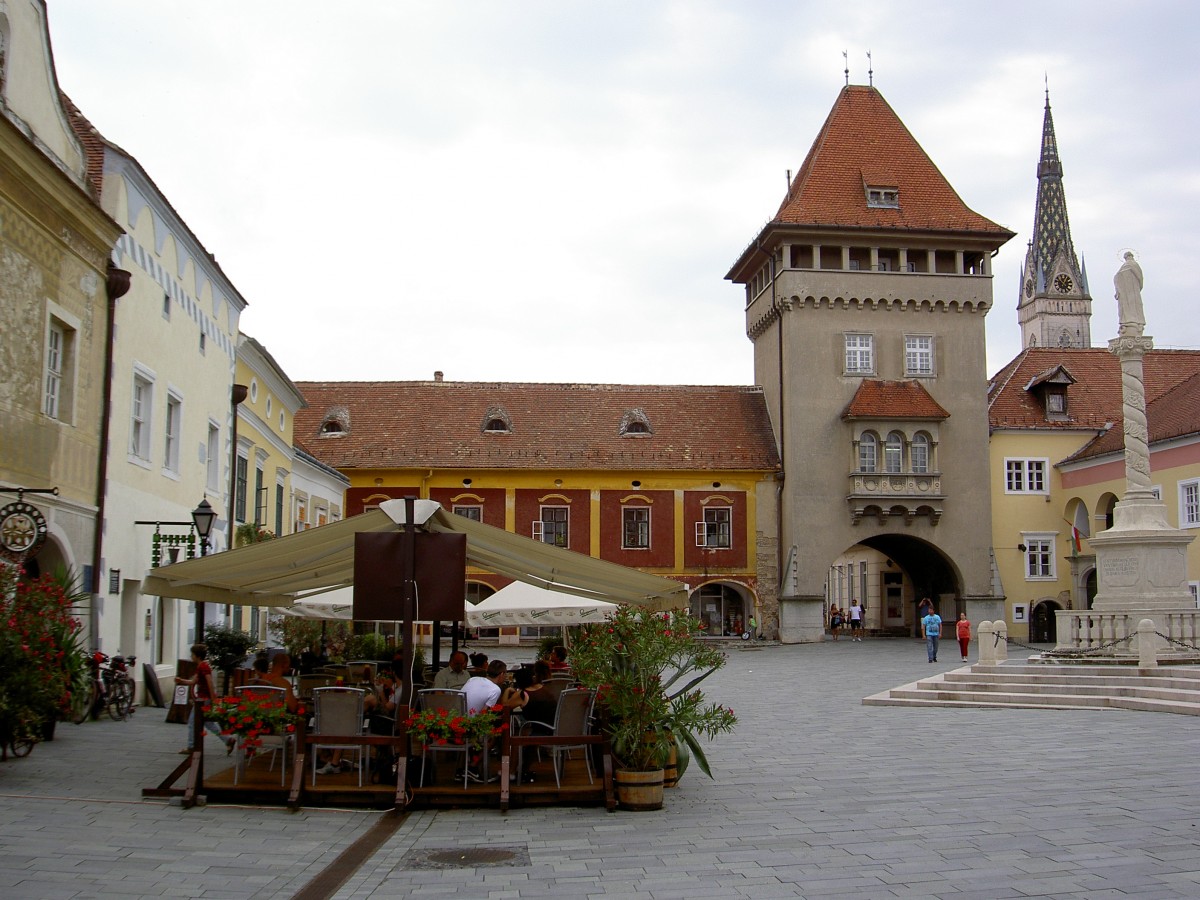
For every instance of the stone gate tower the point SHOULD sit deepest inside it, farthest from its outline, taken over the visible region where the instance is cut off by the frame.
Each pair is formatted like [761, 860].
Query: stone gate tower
[865, 299]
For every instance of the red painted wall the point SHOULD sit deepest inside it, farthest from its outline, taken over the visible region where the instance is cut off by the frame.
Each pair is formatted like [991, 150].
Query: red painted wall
[527, 509]
[693, 512]
[661, 553]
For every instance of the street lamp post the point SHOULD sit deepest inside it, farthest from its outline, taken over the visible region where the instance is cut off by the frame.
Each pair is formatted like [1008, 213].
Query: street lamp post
[203, 518]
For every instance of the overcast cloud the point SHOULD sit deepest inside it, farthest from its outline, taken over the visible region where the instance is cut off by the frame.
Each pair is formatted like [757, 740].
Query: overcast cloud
[554, 190]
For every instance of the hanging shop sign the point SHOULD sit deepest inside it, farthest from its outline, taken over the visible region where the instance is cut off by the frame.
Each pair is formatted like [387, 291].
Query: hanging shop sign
[22, 530]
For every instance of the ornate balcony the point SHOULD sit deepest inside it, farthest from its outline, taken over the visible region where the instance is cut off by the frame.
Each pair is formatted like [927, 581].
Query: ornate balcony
[901, 494]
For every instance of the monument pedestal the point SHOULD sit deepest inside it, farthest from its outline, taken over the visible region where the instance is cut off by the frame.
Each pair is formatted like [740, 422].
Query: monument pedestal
[1141, 560]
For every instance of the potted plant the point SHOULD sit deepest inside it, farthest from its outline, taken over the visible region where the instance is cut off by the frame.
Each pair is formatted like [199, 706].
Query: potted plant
[227, 648]
[441, 726]
[250, 716]
[40, 666]
[645, 668]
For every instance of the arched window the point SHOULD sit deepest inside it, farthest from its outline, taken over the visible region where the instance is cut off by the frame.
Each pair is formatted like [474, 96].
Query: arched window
[919, 453]
[893, 453]
[868, 453]
[496, 425]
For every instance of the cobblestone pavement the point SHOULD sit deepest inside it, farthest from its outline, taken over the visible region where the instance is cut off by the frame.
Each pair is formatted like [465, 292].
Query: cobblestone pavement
[815, 796]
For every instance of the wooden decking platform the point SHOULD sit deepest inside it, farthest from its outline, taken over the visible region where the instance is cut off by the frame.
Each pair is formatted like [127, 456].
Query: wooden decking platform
[260, 782]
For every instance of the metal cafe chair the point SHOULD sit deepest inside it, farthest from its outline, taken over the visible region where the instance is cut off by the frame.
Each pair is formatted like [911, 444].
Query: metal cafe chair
[338, 711]
[273, 742]
[573, 718]
[454, 702]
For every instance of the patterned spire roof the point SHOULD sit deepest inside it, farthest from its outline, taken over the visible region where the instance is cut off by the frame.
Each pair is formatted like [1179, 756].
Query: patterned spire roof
[1051, 228]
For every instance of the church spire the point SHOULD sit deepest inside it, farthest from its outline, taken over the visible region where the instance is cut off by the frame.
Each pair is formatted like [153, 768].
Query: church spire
[1054, 308]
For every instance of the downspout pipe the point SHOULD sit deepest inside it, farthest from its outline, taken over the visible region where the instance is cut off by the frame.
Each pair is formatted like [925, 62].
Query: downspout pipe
[116, 286]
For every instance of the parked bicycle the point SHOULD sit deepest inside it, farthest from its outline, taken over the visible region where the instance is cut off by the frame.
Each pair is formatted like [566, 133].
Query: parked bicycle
[112, 689]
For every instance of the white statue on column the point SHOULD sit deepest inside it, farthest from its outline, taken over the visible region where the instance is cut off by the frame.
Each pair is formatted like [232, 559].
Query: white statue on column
[1128, 281]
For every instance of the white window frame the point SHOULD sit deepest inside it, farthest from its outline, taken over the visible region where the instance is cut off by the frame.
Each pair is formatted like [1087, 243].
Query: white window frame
[172, 432]
[1189, 503]
[559, 534]
[859, 353]
[141, 415]
[1041, 556]
[213, 457]
[918, 355]
[59, 346]
[1026, 475]
[868, 452]
[919, 454]
[715, 531]
[635, 520]
[893, 453]
[1194, 588]
[56, 345]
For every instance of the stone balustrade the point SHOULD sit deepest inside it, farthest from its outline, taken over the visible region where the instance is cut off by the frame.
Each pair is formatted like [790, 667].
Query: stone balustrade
[1091, 629]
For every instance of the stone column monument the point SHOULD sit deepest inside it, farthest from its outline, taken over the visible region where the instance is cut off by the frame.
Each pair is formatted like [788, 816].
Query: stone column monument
[1141, 561]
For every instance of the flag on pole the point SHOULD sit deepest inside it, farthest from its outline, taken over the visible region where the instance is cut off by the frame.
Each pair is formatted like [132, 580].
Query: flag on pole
[1075, 536]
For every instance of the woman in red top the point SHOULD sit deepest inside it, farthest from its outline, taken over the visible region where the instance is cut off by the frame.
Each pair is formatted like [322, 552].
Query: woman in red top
[964, 634]
[203, 691]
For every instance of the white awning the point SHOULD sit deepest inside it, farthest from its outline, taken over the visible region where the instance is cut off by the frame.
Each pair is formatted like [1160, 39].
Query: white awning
[525, 604]
[280, 571]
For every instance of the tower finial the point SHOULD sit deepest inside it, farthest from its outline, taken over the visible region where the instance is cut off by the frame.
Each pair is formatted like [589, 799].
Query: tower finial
[846, 60]
[1046, 75]
[870, 71]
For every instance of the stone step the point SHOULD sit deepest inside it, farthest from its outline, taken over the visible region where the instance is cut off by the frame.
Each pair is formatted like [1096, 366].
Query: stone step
[986, 686]
[1191, 673]
[1088, 682]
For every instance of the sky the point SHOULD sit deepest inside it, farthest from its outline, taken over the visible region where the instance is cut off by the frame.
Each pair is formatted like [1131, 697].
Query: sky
[553, 190]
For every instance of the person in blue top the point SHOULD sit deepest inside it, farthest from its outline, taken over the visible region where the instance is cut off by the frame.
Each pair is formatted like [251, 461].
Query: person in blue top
[931, 628]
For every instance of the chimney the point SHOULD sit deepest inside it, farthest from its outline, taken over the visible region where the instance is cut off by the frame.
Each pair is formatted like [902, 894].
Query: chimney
[437, 376]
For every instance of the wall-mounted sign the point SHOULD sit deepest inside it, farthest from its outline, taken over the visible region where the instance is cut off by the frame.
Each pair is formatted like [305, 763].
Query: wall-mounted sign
[22, 530]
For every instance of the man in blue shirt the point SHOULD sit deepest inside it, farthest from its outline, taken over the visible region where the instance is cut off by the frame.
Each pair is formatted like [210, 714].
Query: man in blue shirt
[931, 628]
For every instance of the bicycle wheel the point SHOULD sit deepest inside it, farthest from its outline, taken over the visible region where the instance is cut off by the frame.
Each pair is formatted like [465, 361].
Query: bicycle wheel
[20, 747]
[81, 703]
[115, 702]
[127, 691]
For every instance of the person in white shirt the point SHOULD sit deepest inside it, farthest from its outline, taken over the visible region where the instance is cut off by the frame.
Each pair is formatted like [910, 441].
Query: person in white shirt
[455, 675]
[483, 691]
[856, 621]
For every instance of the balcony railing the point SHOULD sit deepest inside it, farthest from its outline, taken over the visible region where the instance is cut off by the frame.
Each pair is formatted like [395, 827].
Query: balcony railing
[903, 494]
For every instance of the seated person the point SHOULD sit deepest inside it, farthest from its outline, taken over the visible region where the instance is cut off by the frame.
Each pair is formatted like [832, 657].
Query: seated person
[455, 675]
[280, 665]
[558, 659]
[485, 691]
[261, 667]
[381, 697]
[479, 662]
[538, 706]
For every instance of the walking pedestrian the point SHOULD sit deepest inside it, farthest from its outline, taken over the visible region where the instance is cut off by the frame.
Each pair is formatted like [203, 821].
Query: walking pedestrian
[924, 608]
[835, 621]
[203, 692]
[856, 621]
[931, 628]
[963, 627]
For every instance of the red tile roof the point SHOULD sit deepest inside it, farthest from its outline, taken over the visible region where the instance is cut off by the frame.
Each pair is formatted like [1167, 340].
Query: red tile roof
[863, 142]
[93, 144]
[1094, 399]
[1173, 414]
[893, 400]
[404, 424]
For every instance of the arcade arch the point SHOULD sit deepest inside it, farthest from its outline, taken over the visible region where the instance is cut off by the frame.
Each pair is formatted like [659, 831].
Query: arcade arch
[888, 575]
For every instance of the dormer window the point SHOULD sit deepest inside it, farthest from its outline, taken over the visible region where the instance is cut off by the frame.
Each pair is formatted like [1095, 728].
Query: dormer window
[335, 424]
[883, 197]
[496, 421]
[635, 422]
[1050, 387]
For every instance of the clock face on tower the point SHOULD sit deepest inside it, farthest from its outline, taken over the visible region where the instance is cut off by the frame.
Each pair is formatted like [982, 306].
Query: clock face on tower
[1062, 283]
[1028, 287]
